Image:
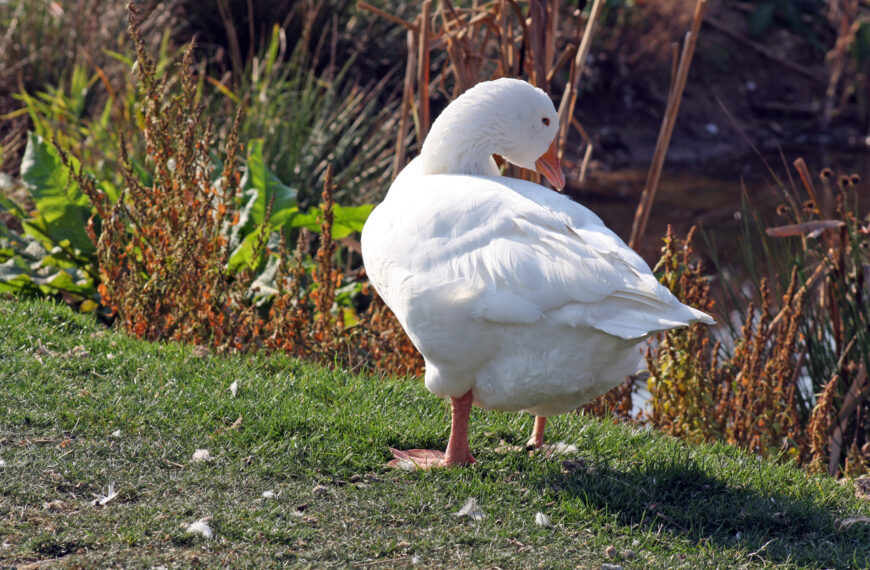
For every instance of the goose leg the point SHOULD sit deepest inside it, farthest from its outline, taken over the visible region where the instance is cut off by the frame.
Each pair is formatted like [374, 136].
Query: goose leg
[458, 451]
[537, 439]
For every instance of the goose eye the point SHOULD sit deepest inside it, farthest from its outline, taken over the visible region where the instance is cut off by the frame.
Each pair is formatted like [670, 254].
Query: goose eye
[546, 121]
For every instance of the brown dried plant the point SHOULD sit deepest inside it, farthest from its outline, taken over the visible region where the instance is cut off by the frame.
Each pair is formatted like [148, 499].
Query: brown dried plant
[820, 421]
[747, 398]
[163, 248]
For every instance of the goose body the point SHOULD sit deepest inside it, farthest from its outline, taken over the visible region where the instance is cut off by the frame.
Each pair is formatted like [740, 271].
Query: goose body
[517, 297]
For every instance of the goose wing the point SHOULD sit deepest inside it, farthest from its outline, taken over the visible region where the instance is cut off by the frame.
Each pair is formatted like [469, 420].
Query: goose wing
[516, 252]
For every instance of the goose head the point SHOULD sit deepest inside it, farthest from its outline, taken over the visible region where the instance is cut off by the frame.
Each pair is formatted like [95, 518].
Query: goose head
[507, 117]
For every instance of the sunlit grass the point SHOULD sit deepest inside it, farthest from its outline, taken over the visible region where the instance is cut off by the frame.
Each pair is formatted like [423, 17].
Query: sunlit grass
[75, 420]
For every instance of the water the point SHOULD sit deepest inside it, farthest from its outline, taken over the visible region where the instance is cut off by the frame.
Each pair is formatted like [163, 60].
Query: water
[709, 195]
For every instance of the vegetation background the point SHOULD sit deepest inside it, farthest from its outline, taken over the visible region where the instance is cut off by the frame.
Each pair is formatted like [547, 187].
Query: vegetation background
[200, 173]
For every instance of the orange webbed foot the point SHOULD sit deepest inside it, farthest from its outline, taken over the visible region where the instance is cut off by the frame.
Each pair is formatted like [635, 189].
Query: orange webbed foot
[426, 459]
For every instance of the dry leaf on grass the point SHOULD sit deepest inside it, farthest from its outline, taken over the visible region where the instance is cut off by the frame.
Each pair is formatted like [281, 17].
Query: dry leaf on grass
[852, 521]
[56, 505]
[76, 352]
[505, 448]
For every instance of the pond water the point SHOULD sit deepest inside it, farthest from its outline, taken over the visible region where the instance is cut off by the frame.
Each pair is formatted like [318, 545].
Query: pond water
[710, 195]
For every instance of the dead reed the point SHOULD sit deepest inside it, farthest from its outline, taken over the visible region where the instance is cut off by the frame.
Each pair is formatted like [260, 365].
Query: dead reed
[829, 233]
[485, 41]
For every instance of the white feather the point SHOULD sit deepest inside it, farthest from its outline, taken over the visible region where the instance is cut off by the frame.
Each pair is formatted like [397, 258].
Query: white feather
[201, 527]
[471, 510]
[542, 520]
[201, 455]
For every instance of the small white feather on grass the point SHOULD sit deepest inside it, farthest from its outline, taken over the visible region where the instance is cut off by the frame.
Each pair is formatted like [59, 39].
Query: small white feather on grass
[103, 500]
[542, 520]
[234, 388]
[201, 455]
[201, 528]
[559, 448]
[2, 463]
[471, 510]
[269, 494]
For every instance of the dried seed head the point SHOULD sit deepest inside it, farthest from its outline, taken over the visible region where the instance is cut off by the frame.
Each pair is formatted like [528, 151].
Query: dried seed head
[826, 174]
[782, 210]
[854, 180]
[844, 181]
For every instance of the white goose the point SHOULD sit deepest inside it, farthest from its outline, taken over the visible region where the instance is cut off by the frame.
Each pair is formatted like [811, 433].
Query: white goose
[517, 297]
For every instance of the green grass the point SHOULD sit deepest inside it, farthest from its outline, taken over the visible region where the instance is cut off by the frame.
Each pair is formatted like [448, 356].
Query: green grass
[673, 505]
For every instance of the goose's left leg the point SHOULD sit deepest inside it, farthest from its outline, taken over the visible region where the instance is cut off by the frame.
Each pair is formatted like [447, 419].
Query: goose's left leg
[458, 452]
[537, 439]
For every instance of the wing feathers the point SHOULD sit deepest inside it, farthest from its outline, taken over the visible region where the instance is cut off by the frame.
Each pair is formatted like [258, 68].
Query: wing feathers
[525, 253]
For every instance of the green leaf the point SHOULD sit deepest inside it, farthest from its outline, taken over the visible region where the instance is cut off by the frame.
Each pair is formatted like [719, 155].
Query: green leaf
[349, 219]
[15, 276]
[346, 220]
[261, 185]
[246, 254]
[70, 281]
[63, 211]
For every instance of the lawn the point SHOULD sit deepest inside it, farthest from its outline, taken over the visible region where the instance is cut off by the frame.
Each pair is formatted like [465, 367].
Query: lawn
[83, 408]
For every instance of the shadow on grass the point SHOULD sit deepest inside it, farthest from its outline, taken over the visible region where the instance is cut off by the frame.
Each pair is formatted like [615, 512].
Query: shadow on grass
[717, 509]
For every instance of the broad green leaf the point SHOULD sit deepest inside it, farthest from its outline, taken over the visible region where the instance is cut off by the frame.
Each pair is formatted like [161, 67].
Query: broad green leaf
[260, 183]
[349, 219]
[15, 276]
[346, 220]
[63, 210]
[64, 280]
[245, 254]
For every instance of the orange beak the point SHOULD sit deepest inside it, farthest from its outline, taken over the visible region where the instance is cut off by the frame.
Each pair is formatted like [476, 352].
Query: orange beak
[548, 165]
